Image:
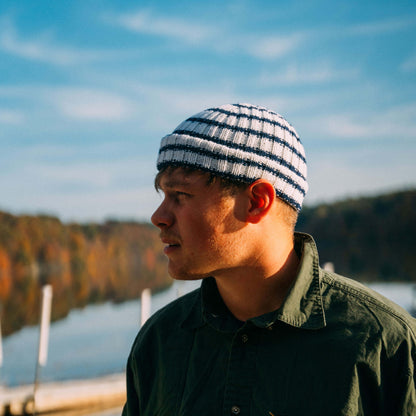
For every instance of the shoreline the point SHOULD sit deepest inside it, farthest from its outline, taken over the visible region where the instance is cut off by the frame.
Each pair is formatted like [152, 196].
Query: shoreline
[69, 397]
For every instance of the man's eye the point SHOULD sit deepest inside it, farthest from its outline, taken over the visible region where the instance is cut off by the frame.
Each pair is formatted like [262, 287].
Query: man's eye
[178, 196]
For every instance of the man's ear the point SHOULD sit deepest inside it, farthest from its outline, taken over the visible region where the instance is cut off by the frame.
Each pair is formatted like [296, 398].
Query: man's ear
[262, 195]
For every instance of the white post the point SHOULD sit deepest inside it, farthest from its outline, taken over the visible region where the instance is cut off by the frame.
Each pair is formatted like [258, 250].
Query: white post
[146, 300]
[45, 324]
[329, 267]
[43, 337]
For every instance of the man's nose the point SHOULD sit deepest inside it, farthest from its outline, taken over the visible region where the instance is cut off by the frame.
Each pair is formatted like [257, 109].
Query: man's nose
[162, 217]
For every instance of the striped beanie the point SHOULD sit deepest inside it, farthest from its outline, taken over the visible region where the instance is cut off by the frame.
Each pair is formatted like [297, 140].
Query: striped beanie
[241, 142]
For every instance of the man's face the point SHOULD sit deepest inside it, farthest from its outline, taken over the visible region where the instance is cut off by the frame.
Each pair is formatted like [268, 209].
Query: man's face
[198, 224]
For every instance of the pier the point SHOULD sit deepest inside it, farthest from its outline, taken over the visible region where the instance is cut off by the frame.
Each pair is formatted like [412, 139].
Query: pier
[64, 397]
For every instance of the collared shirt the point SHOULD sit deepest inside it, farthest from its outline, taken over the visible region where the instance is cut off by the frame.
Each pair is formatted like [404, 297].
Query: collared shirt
[333, 348]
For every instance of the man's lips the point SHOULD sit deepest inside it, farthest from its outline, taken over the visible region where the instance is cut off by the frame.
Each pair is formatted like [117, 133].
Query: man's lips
[169, 241]
[171, 248]
[171, 245]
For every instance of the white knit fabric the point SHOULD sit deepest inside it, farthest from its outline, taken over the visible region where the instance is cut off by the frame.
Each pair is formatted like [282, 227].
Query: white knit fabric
[242, 142]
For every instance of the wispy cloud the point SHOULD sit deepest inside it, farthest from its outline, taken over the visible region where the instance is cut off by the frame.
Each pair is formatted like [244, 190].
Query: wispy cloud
[42, 48]
[217, 38]
[90, 104]
[381, 26]
[91, 174]
[396, 123]
[272, 47]
[297, 75]
[144, 21]
[38, 49]
[10, 116]
[75, 102]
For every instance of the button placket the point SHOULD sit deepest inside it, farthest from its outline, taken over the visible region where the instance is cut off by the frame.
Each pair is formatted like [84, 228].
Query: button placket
[241, 373]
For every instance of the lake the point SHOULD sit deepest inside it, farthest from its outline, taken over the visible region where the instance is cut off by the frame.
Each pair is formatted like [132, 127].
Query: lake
[96, 340]
[88, 343]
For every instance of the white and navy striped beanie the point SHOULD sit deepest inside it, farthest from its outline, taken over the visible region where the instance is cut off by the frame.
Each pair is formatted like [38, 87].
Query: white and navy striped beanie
[241, 142]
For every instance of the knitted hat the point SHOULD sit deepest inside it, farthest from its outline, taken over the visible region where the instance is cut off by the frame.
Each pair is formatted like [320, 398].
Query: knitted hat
[241, 142]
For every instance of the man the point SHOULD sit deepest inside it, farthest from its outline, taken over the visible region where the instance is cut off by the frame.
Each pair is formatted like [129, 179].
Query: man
[268, 332]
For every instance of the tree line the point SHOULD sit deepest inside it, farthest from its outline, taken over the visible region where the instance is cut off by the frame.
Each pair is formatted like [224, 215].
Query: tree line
[367, 239]
[83, 263]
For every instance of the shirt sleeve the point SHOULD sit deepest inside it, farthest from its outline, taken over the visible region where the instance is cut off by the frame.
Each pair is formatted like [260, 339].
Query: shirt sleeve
[131, 407]
[401, 391]
[407, 404]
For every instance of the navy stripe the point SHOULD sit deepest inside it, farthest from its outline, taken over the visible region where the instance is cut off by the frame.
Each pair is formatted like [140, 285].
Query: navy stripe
[213, 155]
[275, 123]
[236, 129]
[238, 146]
[229, 175]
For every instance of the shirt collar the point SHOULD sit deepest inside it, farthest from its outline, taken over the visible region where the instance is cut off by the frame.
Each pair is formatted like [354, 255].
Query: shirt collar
[302, 308]
[303, 305]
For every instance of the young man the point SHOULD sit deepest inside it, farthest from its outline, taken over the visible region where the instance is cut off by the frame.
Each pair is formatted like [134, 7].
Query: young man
[268, 332]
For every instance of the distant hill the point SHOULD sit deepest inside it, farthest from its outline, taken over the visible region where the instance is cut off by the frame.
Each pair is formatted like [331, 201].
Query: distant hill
[367, 239]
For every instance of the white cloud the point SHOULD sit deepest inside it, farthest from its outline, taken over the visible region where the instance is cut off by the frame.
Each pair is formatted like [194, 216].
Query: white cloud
[396, 123]
[38, 49]
[296, 75]
[272, 47]
[88, 104]
[145, 22]
[41, 47]
[381, 26]
[218, 38]
[79, 103]
[345, 126]
[10, 116]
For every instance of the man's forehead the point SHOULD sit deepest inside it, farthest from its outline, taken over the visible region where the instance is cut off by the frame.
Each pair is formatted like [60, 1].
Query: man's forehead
[180, 177]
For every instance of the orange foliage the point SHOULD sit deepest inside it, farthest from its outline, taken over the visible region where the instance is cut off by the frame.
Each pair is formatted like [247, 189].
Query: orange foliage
[5, 274]
[83, 263]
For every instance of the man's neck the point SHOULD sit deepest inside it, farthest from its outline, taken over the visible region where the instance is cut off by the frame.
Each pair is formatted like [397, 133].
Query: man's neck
[259, 288]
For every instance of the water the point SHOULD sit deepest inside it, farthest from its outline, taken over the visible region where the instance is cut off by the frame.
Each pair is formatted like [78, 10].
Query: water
[96, 340]
[90, 342]
[401, 293]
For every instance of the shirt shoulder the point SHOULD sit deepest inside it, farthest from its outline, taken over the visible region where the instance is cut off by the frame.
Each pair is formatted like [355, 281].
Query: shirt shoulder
[361, 306]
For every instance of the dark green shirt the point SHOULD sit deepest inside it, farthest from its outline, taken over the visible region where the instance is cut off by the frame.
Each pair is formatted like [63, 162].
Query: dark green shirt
[334, 348]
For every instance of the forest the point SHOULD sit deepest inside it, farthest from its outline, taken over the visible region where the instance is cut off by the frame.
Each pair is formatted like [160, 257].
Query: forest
[84, 264]
[366, 239]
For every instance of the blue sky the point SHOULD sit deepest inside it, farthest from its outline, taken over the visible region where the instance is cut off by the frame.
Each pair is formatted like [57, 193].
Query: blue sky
[88, 88]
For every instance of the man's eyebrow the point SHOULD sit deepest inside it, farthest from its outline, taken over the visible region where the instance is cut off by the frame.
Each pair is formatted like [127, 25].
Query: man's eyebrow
[169, 184]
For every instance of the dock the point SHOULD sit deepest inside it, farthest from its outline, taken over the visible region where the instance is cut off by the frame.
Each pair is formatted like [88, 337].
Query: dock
[65, 397]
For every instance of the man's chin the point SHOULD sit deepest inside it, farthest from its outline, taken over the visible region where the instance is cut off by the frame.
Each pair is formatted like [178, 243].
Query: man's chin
[185, 275]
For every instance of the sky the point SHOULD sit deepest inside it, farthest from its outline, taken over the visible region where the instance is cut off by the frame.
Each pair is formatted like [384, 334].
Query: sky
[88, 89]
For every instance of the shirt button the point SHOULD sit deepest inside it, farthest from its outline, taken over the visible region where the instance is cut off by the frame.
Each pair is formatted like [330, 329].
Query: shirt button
[235, 410]
[244, 338]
